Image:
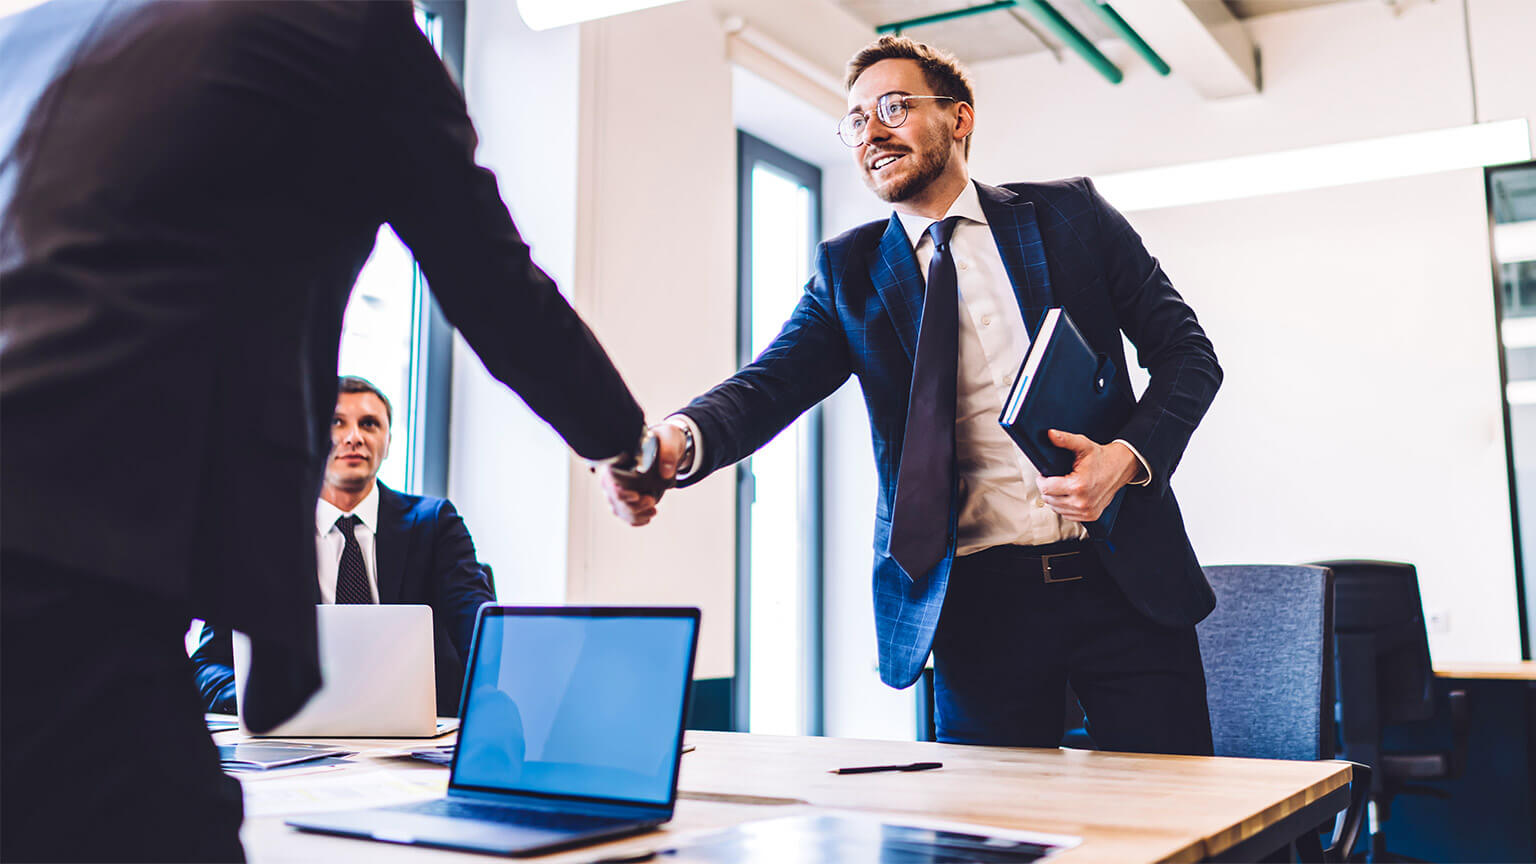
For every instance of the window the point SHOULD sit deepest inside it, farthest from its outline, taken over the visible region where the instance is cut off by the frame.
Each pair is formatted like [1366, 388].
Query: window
[1512, 212]
[779, 498]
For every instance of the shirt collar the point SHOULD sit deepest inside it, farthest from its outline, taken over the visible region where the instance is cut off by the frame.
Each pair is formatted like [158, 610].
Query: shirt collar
[366, 510]
[967, 205]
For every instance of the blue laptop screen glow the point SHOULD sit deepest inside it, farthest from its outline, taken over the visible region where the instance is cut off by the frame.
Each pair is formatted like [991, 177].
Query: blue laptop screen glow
[568, 705]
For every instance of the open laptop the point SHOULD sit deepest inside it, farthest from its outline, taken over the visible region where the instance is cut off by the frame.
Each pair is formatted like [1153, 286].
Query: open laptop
[377, 667]
[572, 720]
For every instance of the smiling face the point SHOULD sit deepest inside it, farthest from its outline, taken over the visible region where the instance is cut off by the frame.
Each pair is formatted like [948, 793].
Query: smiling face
[359, 442]
[924, 156]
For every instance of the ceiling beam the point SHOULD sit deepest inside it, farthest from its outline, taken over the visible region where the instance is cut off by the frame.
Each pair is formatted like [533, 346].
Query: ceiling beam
[1201, 40]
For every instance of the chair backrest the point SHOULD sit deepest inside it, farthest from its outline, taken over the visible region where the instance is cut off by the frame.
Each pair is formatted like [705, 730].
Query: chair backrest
[1268, 653]
[1380, 599]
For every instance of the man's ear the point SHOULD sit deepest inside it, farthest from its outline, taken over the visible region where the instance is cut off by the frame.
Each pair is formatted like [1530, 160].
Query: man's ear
[388, 437]
[965, 121]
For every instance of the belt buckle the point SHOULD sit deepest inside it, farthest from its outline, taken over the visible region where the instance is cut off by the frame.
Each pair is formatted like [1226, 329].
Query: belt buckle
[1050, 576]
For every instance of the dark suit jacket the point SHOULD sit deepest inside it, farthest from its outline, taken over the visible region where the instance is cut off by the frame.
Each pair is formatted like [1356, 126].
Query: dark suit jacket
[1062, 244]
[424, 555]
[187, 192]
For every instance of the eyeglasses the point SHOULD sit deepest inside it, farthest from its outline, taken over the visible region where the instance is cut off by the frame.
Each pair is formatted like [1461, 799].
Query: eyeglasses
[891, 109]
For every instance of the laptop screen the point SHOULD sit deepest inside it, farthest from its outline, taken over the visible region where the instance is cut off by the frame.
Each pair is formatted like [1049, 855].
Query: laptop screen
[577, 702]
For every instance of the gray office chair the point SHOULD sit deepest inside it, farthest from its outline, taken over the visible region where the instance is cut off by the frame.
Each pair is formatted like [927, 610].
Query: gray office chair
[1268, 654]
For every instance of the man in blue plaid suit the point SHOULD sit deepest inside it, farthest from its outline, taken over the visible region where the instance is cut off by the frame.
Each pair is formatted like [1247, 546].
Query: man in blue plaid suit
[979, 559]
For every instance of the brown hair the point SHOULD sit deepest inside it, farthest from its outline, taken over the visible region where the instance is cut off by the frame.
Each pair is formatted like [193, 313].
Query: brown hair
[940, 68]
[354, 384]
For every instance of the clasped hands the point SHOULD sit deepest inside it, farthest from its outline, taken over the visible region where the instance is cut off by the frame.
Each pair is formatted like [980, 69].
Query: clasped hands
[1097, 474]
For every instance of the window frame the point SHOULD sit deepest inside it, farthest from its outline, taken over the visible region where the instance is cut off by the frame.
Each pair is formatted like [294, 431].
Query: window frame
[1522, 595]
[751, 151]
[430, 396]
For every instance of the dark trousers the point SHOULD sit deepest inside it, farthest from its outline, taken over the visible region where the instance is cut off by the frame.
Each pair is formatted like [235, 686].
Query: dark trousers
[1009, 642]
[104, 755]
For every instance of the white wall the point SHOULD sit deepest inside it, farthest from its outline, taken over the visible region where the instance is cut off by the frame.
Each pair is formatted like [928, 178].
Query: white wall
[657, 281]
[1360, 416]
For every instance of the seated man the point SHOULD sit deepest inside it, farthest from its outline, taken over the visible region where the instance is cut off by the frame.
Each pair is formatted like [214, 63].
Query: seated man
[375, 545]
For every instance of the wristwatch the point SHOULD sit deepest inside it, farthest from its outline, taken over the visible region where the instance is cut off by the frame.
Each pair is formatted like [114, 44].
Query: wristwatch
[684, 461]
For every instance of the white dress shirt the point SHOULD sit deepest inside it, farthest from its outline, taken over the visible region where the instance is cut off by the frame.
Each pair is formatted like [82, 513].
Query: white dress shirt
[329, 543]
[1000, 503]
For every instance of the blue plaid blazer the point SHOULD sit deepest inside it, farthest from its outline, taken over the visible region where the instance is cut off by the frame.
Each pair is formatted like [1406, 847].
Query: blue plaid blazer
[1062, 244]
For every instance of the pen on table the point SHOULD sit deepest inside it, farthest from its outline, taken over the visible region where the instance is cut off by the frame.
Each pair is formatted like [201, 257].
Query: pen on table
[871, 769]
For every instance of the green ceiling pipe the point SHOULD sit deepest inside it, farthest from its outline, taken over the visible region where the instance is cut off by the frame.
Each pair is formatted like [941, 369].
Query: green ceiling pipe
[898, 26]
[1062, 29]
[1119, 25]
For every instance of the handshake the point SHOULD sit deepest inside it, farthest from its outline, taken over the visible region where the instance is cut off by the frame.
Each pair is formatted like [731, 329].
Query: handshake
[635, 483]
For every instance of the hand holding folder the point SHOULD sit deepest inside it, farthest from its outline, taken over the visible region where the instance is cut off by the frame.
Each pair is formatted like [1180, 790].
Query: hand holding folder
[1064, 385]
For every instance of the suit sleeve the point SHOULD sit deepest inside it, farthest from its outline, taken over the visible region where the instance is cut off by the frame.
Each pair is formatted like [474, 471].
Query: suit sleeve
[806, 362]
[448, 210]
[458, 579]
[1170, 344]
[213, 669]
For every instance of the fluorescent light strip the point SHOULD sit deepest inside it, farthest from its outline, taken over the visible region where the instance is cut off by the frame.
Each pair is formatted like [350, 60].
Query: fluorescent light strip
[546, 14]
[1320, 167]
[1520, 392]
[1514, 241]
[1518, 332]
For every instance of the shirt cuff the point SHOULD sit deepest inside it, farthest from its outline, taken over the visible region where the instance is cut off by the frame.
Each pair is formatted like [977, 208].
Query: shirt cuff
[1144, 476]
[684, 422]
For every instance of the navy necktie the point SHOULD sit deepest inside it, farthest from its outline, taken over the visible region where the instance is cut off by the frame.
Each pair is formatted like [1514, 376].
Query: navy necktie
[351, 576]
[920, 516]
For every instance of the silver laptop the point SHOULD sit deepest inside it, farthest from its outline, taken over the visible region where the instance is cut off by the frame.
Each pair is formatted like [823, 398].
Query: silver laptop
[572, 721]
[377, 669]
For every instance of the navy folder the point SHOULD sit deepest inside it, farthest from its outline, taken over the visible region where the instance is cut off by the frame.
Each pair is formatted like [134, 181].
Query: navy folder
[1064, 384]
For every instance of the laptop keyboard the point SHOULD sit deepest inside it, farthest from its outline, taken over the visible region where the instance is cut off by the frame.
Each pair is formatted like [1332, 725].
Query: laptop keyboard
[508, 815]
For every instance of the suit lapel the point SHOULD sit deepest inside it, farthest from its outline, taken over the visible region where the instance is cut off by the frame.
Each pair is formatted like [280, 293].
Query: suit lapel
[899, 284]
[1012, 219]
[390, 541]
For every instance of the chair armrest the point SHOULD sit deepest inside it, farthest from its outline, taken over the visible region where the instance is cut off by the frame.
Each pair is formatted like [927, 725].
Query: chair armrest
[1354, 814]
[1461, 726]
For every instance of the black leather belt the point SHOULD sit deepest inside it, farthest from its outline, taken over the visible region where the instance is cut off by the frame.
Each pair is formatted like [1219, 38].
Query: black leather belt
[1068, 561]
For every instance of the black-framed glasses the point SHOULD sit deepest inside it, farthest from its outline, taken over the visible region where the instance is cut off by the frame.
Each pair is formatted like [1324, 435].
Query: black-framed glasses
[891, 109]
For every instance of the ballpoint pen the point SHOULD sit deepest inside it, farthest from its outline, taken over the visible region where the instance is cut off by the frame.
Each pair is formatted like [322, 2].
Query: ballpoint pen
[871, 769]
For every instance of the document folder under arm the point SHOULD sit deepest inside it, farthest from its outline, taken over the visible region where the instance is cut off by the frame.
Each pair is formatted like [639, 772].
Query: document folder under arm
[1064, 384]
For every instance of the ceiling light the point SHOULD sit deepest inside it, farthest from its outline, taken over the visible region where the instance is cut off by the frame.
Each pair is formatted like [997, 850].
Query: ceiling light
[1395, 156]
[545, 14]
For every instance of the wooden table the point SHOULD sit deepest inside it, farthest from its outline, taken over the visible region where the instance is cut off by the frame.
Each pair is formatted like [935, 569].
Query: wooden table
[1508, 670]
[1125, 807]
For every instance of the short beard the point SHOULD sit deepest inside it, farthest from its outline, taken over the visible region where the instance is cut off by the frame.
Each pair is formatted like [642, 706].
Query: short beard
[931, 163]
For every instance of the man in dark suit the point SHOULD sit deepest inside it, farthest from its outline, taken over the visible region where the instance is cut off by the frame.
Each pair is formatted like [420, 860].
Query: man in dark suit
[979, 560]
[375, 545]
[187, 192]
